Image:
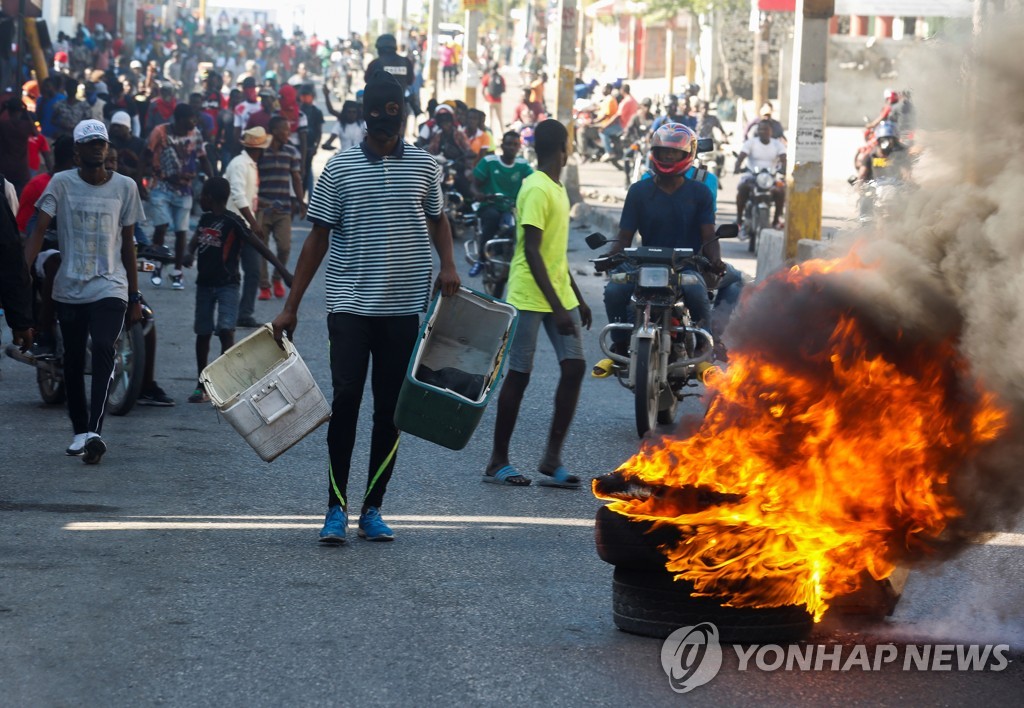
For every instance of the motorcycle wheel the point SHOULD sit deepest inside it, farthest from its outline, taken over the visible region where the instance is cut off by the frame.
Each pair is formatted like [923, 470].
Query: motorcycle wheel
[129, 368]
[51, 388]
[761, 217]
[646, 393]
[667, 416]
[494, 286]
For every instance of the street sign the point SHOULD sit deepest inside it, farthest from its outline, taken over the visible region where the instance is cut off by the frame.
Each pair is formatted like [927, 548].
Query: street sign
[469, 5]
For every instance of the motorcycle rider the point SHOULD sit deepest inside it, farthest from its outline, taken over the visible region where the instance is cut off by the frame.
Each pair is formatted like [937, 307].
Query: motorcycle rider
[708, 122]
[765, 152]
[641, 121]
[624, 113]
[765, 114]
[888, 159]
[669, 211]
[452, 143]
[890, 98]
[673, 114]
[499, 177]
[392, 62]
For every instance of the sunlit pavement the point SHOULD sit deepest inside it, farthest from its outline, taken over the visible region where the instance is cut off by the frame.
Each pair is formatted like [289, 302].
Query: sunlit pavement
[184, 571]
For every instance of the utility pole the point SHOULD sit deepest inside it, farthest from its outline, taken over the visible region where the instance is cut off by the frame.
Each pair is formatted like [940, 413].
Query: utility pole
[670, 52]
[432, 46]
[806, 155]
[762, 45]
[470, 66]
[567, 18]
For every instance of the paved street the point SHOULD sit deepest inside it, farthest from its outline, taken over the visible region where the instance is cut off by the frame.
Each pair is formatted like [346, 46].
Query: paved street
[185, 571]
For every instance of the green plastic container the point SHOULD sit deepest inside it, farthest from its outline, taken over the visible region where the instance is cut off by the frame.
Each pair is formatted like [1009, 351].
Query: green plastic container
[455, 367]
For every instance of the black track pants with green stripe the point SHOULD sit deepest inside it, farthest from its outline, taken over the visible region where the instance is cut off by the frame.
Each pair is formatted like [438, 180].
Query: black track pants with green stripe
[355, 339]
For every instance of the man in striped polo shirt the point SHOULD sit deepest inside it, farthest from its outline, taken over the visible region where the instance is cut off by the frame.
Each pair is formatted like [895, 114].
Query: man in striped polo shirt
[375, 211]
[280, 194]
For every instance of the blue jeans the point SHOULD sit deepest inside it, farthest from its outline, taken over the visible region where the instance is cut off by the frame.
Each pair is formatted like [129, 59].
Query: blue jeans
[619, 309]
[612, 130]
[250, 259]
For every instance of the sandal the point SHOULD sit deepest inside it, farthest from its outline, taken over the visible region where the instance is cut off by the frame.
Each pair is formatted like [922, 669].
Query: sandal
[603, 369]
[509, 476]
[559, 478]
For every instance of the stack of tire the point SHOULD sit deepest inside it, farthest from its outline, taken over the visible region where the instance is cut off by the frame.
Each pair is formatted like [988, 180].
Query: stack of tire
[648, 600]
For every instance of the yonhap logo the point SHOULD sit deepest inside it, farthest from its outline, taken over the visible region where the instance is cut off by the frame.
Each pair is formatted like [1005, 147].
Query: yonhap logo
[691, 656]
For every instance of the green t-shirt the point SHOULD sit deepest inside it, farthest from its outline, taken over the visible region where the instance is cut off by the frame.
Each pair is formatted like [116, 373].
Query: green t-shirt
[499, 178]
[544, 204]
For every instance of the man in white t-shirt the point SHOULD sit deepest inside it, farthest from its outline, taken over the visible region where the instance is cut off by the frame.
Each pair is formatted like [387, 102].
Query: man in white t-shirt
[764, 152]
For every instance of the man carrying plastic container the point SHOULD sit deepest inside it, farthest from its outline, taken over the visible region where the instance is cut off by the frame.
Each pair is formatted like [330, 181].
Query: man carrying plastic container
[375, 211]
[541, 287]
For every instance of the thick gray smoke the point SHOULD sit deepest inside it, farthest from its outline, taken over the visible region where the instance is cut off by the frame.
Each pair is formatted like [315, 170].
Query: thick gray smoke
[949, 263]
[952, 261]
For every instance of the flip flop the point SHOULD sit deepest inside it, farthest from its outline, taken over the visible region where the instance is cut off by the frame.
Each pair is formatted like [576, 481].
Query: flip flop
[603, 369]
[506, 475]
[559, 478]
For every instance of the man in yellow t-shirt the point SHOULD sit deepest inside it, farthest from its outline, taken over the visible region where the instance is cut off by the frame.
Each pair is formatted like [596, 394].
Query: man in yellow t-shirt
[543, 290]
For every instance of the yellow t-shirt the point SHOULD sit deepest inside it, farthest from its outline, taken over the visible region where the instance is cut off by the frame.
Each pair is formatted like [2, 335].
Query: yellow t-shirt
[542, 203]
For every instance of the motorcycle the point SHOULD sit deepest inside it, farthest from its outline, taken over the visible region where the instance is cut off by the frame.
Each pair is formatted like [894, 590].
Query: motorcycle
[498, 251]
[588, 133]
[667, 353]
[634, 159]
[459, 212]
[129, 352]
[757, 215]
[876, 197]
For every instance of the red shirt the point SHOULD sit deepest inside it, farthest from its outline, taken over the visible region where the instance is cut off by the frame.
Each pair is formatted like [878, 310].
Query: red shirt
[29, 196]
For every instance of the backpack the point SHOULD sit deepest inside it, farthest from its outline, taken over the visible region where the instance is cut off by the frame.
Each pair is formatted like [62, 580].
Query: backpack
[495, 85]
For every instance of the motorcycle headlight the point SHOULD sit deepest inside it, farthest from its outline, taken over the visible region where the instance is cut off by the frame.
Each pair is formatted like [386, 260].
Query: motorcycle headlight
[653, 277]
[764, 180]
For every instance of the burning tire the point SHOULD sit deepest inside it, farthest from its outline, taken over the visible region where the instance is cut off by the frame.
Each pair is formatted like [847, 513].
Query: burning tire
[631, 544]
[653, 604]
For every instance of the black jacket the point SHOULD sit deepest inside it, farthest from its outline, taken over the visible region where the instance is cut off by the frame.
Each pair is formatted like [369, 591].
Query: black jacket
[15, 284]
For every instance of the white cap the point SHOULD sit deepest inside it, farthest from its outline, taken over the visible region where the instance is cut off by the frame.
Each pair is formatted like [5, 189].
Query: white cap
[121, 118]
[90, 130]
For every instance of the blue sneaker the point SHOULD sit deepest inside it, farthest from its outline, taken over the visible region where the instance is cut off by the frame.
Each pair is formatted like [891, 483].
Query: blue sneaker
[373, 528]
[335, 526]
[476, 269]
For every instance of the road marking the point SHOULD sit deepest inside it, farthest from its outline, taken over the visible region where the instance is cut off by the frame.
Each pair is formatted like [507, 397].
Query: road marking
[210, 523]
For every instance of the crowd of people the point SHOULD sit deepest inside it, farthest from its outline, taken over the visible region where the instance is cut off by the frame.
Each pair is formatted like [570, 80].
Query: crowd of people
[198, 145]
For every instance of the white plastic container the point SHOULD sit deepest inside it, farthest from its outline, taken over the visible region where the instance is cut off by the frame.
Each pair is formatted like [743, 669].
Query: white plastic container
[266, 393]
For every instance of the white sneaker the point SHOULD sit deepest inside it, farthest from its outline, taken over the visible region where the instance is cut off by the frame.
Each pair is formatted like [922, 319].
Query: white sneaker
[77, 446]
[176, 280]
[155, 279]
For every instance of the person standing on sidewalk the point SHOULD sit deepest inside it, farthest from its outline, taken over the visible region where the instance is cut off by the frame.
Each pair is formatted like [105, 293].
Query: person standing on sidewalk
[242, 174]
[375, 210]
[541, 287]
[97, 284]
[280, 195]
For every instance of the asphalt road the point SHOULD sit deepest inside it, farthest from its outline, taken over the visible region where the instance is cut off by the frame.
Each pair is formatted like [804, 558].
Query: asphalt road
[185, 571]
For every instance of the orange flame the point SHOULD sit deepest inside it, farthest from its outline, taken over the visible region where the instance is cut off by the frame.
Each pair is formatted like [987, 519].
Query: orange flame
[836, 463]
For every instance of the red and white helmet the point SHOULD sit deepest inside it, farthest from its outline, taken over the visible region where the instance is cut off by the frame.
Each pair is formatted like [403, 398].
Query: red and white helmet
[892, 96]
[678, 137]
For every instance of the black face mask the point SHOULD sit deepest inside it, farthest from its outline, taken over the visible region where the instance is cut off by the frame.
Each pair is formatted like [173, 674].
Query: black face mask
[383, 123]
[381, 90]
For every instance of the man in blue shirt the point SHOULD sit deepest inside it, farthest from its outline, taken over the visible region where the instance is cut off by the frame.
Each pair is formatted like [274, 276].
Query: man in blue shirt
[669, 211]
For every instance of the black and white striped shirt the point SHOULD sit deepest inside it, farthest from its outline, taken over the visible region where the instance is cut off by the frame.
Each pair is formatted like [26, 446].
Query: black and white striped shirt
[379, 262]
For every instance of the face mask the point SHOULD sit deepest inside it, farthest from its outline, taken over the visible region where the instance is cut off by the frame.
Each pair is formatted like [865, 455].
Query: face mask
[376, 97]
[385, 124]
